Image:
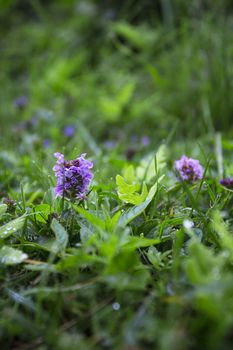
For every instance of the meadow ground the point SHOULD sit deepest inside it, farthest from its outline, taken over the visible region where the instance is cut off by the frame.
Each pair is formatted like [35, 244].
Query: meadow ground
[129, 246]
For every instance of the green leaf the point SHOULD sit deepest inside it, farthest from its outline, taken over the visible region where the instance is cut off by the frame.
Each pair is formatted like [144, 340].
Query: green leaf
[140, 242]
[114, 221]
[155, 257]
[132, 213]
[124, 187]
[77, 260]
[202, 266]
[60, 234]
[11, 256]
[125, 94]
[139, 37]
[225, 238]
[129, 32]
[110, 108]
[128, 192]
[129, 174]
[41, 267]
[12, 227]
[91, 218]
[3, 209]
[42, 212]
[151, 166]
[134, 198]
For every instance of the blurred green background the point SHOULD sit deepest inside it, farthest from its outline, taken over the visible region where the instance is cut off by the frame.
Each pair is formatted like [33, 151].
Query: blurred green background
[144, 67]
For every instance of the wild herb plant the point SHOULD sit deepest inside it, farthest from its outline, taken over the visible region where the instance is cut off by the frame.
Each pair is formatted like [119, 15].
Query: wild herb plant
[129, 246]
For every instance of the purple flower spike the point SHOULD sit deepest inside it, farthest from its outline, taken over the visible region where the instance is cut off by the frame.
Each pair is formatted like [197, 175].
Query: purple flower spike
[69, 131]
[228, 182]
[73, 176]
[189, 169]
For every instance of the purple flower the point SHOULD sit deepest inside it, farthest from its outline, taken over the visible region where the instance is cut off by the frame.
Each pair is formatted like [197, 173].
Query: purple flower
[109, 144]
[46, 143]
[73, 176]
[145, 140]
[228, 182]
[189, 169]
[69, 130]
[21, 102]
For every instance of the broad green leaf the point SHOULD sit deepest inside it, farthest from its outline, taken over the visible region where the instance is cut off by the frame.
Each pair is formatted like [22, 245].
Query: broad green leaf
[125, 271]
[110, 108]
[60, 234]
[129, 32]
[133, 198]
[140, 242]
[202, 266]
[132, 213]
[124, 187]
[42, 212]
[113, 221]
[155, 257]
[128, 192]
[138, 36]
[86, 231]
[77, 260]
[11, 256]
[226, 239]
[129, 174]
[12, 227]
[3, 209]
[125, 94]
[91, 218]
[48, 245]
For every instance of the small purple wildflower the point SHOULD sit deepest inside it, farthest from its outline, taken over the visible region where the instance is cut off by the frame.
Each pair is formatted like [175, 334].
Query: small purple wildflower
[46, 143]
[228, 182]
[73, 176]
[110, 144]
[189, 169]
[69, 130]
[21, 102]
[11, 205]
[34, 121]
[145, 140]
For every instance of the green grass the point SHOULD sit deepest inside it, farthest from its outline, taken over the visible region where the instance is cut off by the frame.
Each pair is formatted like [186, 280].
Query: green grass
[145, 262]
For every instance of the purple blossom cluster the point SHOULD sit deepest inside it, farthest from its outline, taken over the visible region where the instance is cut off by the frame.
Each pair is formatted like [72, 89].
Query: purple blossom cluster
[189, 169]
[228, 182]
[73, 176]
